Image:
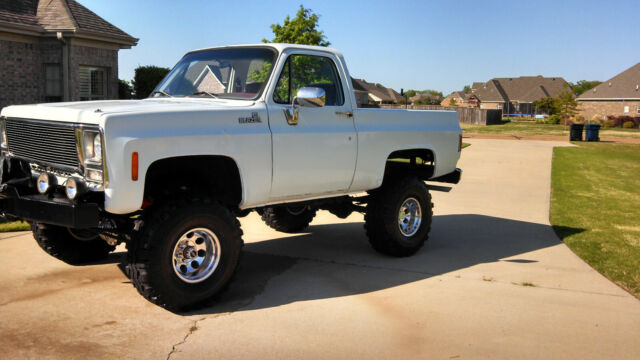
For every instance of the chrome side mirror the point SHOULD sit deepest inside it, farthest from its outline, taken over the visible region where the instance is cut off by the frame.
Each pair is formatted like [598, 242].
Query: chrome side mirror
[308, 97]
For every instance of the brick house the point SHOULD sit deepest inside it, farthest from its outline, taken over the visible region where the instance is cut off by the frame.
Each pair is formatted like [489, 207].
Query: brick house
[462, 99]
[617, 96]
[421, 97]
[57, 50]
[375, 93]
[516, 95]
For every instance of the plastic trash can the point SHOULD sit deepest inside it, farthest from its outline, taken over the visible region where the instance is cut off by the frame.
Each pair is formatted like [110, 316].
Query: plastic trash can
[592, 132]
[575, 133]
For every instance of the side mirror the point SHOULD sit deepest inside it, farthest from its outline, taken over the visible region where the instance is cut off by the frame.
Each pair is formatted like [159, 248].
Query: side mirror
[311, 96]
[307, 97]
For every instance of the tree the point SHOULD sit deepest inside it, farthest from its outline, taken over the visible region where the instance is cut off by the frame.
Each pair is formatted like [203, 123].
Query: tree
[432, 92]
[410, 93]
[547, 105]
[568, 104]
[303, 29]
[146, 79]
[466, 89]
[125, 91]
[583, 86]
[453, 102]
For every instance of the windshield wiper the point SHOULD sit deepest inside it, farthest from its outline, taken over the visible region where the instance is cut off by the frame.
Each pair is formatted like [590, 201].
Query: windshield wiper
[161, 92]
[206, 93]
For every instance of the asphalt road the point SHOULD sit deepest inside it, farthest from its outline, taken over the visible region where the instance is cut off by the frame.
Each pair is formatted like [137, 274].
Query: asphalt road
[493, 282]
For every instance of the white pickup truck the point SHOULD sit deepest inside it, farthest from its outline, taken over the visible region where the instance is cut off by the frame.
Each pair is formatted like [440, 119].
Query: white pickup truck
[270, 127]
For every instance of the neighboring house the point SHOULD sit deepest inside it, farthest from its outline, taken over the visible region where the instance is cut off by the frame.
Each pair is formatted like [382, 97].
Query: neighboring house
[361, 93]
[376, 93]
[516, 95]
[617, 96]
[462, 99]
[57, 50]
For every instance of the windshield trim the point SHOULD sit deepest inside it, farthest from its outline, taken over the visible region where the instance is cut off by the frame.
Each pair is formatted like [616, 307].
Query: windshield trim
[222, 96]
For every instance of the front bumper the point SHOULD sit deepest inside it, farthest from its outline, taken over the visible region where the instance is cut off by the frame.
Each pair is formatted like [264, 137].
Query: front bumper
[43, 209]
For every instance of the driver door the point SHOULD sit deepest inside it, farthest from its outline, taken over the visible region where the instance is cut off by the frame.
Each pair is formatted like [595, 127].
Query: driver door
[317, 155]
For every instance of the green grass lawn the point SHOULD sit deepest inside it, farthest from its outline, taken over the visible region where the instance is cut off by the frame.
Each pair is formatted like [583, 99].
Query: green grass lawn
[595, 207]
[524, 128]
[8, 226]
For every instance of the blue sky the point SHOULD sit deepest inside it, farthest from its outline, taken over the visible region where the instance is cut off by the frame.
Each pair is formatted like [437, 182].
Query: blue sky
[441, 45]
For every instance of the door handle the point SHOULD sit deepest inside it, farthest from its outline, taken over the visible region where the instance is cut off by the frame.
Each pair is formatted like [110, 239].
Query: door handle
[345, 113]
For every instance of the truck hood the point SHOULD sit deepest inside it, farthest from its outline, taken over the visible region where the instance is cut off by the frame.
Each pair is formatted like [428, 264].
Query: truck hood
[90, 112]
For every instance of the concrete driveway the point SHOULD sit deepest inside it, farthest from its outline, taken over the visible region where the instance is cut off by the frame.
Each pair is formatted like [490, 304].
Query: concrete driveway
[493, 282]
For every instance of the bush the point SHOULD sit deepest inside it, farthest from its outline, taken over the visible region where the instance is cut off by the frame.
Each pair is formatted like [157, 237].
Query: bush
[608, 123]
[629, 125]
[125, 91]
[553, 119]
[596, 118]
[579, 119]
[146, 79]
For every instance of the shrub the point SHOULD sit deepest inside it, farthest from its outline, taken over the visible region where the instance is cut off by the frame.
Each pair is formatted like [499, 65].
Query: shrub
[125, 91]
[608, 123]
[618, 121]
[596, 118]
[629, 125]
[579, 119]
[146, 79]
[553, 119]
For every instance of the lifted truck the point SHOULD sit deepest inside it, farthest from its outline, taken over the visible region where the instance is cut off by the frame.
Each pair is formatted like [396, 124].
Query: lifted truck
[270, 127]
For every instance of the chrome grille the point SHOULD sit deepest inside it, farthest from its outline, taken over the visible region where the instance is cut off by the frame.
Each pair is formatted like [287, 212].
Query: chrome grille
[48, 143]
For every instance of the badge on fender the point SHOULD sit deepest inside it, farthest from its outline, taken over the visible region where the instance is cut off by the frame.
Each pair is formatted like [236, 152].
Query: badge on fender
[255, 118]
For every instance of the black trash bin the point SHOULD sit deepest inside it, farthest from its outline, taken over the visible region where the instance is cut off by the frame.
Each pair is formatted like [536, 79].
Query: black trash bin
[575, 133]
[592, 132]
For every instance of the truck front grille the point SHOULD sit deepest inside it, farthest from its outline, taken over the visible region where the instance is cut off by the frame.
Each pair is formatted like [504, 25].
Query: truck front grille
[41, 142]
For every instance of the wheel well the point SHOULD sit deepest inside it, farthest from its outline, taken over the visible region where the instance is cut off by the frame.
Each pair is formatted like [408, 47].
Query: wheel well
[215, 176]
[416, 162]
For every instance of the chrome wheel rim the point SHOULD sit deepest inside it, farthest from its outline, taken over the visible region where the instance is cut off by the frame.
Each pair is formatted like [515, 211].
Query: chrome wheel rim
[196, 255]
[409, 217]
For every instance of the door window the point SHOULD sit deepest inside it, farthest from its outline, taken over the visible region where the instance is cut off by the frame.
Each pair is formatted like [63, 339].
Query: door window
[309, 71]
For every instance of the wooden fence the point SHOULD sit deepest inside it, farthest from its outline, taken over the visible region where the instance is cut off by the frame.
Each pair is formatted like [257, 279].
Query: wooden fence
[465, 114]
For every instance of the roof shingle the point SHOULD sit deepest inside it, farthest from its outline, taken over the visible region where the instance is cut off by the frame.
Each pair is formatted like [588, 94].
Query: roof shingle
[524, 89]
[625, 85]
[60, 15]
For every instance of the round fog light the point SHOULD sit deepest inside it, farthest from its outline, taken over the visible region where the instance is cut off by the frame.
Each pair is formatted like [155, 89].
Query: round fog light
[42, 183]
[73, 188]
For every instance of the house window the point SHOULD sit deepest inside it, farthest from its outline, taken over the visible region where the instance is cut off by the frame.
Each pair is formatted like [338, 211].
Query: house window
[638, 109]
[93, 83]
[53, 82]
[626, 109]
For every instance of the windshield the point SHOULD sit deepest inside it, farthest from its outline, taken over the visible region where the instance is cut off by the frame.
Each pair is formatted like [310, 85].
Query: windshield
[232, 73]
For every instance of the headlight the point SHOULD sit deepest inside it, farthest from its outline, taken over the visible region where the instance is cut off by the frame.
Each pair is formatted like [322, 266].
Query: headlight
[3, 133]
[92, 146]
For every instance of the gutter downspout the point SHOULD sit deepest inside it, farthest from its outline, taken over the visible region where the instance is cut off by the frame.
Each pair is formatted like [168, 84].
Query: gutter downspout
[65, 67]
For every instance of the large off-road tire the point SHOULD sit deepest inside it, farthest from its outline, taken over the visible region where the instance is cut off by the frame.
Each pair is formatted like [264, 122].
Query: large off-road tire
[186, 254]
[69, 245]
[288, 219]
[398, 217]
